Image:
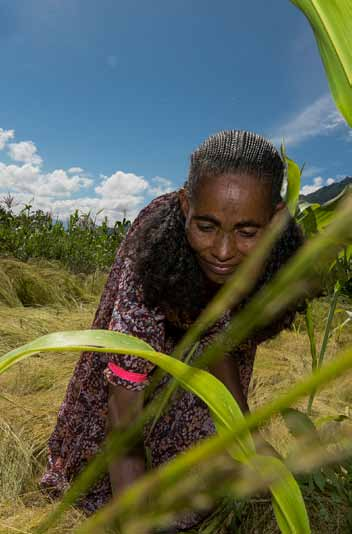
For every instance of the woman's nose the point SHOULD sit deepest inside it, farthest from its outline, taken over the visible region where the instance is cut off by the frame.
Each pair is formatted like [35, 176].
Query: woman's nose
[224, 249]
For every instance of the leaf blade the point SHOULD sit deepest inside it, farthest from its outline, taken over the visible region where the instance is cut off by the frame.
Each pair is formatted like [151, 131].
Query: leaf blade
[331, 24]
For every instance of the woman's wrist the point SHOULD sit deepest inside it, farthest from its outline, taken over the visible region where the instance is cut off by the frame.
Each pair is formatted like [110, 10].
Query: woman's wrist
[125, 472]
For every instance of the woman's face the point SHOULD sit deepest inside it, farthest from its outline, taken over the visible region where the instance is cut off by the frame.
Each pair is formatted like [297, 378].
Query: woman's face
[226, 220]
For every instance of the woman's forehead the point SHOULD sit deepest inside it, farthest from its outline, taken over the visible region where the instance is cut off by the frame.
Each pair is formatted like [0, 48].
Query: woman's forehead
[233, 190]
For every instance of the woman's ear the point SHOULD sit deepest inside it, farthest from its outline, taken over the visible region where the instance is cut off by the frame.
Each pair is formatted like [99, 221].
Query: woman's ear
[279, 206]
[279, 211]
[184, 202]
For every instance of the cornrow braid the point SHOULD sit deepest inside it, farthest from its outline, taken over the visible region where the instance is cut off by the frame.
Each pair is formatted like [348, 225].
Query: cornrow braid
[234, 151]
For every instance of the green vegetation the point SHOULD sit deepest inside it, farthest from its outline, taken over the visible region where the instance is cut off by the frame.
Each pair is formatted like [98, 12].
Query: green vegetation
[31, 393]
[48, 286]
[269, 471]
[82, 247]
[323, 458]
[331, 24]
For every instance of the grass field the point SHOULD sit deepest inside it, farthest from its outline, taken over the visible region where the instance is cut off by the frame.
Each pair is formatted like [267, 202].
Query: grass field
[31, 393]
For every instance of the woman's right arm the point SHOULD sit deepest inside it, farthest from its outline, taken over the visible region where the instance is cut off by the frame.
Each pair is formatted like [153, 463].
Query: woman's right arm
[124, 406]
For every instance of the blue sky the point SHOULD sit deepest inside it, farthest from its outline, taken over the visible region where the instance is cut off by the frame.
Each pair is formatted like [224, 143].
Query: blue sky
[101, 103]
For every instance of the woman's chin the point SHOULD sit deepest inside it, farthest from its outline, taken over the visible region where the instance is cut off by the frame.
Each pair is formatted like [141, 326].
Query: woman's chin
[217, 278]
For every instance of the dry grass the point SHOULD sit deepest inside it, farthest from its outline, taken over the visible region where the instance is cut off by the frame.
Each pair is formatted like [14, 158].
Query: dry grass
[16, 463]
[30, 396]
[44, 283]
[31, 393]
[23, 515]
[286, 359]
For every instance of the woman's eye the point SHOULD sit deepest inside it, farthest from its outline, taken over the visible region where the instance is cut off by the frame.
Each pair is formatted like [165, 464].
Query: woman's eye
[248, 233]
[205, 227]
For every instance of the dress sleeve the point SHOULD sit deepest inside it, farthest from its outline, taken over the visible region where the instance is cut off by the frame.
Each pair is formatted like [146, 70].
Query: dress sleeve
[131, 316]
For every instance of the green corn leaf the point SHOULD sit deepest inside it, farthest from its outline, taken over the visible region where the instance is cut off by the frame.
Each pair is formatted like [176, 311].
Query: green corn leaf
[299, 424]
[206, 449]
[307, 220]
[325, 419]
[226, 412]
[229, 295]
[331, 21]
[311, 335]
[293, 173]
[220, 401]
[293, 185]
[315, 217]
[288, 504]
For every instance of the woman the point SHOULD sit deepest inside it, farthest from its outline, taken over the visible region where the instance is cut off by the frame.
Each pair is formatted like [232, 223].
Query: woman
[181, 248]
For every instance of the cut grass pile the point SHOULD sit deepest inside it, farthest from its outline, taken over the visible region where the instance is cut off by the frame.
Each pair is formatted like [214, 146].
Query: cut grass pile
[44, 283]
[31, 393]
[30, 396]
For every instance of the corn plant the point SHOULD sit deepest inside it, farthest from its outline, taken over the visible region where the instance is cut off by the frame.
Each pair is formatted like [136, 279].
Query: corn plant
[331, 23]
[82, 245]
[313, 218]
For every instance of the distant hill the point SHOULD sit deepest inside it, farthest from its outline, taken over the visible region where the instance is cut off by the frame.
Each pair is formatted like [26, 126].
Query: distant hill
[328, 192]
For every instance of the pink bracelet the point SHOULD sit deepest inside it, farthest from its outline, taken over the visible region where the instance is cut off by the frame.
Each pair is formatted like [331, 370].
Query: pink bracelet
[127, 375]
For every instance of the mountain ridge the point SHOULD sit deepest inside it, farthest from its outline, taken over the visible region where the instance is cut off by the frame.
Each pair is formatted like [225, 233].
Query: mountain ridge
[326, 193]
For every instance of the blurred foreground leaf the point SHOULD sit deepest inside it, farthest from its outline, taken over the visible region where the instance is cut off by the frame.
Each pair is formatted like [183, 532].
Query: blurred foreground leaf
[287, 500]
[299, 424]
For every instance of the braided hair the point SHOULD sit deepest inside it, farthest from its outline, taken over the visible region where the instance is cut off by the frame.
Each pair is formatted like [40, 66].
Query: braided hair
[165, 262]
[237, 151]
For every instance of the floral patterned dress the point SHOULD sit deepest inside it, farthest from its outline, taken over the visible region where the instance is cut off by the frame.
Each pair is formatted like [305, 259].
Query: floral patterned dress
[81, 423]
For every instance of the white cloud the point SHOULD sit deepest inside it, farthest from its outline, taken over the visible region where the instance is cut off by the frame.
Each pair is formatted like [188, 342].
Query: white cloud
[75, 170]
[122, 193]
[25, 152]
[311, 188]
[5, 136]
[61, 191]
[121, 184]
[330, 181]
[29, 179]
[17, 178]
[319, 118]
[160, 186]
[60, 184]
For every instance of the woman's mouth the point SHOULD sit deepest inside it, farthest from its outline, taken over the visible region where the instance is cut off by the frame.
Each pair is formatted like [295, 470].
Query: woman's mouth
[219, 269]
